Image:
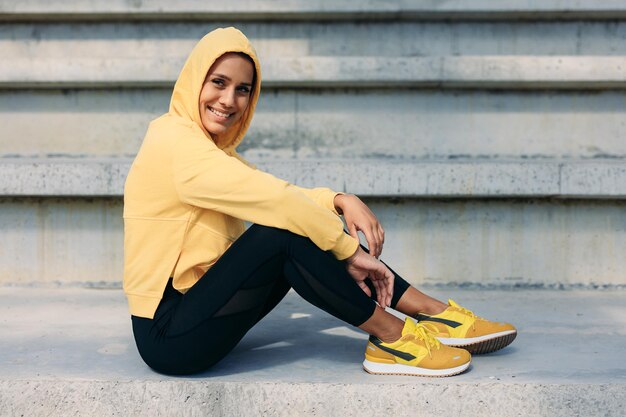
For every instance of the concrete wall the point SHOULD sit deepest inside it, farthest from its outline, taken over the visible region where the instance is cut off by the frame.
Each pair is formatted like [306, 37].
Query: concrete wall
[173, 40]
[402, 121]
[381, 98]
[292, 124]
[63, 240]
[436, 242]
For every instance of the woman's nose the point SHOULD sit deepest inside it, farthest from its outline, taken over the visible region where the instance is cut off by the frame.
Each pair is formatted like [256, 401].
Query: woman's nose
[227, 98]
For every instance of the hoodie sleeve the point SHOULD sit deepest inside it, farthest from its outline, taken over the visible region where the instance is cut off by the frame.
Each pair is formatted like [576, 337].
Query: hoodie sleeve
[323, 197]
[205, 176]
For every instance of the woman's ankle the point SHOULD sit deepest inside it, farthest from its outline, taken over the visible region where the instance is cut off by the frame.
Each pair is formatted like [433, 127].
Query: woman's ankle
[433, 308]
[414, 302]
[390, 335]
[383, 325]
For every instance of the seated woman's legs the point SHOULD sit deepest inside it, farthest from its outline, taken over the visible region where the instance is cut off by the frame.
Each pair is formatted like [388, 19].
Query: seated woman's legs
[191, 332]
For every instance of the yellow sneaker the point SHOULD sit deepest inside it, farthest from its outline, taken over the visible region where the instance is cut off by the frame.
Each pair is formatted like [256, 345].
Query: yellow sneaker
[459, 327]
[417, 353]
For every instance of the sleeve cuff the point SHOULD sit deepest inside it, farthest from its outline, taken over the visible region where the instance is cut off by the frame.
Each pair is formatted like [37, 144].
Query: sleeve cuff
[329, 201]
[345, 247]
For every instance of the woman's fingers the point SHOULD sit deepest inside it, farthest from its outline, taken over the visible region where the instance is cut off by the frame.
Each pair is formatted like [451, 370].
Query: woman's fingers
[382, 279]
[359, 217]
[361, 265]
[353, 231]
[373, 241]
[389, 282]
[380, 292]
[365, 288]
[386, 278]
[377, 239]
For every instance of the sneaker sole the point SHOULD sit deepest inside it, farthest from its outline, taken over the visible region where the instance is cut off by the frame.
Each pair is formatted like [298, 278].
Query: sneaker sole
[399, 369]
[483, 344]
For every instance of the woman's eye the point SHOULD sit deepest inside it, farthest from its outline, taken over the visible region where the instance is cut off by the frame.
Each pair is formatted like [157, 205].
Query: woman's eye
[218, 81]
[245, 90]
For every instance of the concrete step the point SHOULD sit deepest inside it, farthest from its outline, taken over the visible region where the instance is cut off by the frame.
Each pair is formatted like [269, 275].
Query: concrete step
[475, 242]
[39, 10]
[172, 40]
[70, 351]
[594, 179]
[334, 124]
[484, 72]
[509, 95]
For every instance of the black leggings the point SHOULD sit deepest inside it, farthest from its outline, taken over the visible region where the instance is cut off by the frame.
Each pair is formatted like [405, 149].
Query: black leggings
[192, 332]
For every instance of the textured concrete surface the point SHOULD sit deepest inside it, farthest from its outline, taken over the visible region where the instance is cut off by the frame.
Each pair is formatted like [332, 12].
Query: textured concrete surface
[335, 124]
[589, 179]
[267, 9]
[476, 242]
[297, 121]
[484, 72]
[174, 39]
[70, 352]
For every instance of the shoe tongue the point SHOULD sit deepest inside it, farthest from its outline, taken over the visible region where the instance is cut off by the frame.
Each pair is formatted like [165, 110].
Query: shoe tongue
[452, 303]
[409, 326]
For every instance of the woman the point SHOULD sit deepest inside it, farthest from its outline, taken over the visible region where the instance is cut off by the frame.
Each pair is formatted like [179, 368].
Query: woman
[196, 282]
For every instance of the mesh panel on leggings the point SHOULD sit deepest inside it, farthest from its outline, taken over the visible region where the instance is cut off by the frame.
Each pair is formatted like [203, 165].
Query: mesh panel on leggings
[246, 299]
[331, 302]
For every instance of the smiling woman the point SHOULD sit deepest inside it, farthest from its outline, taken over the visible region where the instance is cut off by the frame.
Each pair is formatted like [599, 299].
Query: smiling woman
[197, 281]
[226, 93]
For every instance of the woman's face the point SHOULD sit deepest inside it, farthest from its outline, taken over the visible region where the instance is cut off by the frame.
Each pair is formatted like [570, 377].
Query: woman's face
[225, 93]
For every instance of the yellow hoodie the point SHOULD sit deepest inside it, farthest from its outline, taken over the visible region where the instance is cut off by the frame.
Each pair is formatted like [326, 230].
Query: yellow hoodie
[185, 197]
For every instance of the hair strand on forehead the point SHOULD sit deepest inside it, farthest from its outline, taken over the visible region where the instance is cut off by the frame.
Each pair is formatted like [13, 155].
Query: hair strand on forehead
[250, 60]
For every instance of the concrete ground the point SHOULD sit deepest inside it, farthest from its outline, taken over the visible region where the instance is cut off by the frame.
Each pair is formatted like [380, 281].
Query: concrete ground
[69, 351]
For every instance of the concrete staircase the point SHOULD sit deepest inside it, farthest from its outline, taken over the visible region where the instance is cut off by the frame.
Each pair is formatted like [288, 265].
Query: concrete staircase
[489, 137]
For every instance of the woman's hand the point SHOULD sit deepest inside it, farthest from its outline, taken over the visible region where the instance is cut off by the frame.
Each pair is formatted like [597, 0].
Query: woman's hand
[359, 217]
[361, 265]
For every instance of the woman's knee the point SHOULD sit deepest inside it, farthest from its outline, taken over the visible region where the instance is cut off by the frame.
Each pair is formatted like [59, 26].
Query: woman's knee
[284, 241]
[268, 233]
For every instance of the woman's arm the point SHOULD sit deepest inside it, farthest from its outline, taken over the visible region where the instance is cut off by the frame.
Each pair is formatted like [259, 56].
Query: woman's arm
[360, 265]
[323, 197]
[205, 176]
[357, 215]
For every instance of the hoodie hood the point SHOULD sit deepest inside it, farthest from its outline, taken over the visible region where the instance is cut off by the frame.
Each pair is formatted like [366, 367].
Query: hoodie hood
[186, 95]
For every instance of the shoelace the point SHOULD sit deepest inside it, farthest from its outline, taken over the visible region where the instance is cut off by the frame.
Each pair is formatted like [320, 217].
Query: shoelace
[471, 314]
[426, 332]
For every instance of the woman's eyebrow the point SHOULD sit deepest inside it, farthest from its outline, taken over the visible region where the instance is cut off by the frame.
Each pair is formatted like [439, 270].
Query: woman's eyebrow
[229, 79]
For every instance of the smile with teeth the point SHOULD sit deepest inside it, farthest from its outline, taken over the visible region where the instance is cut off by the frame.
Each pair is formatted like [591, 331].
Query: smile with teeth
[219, 113]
